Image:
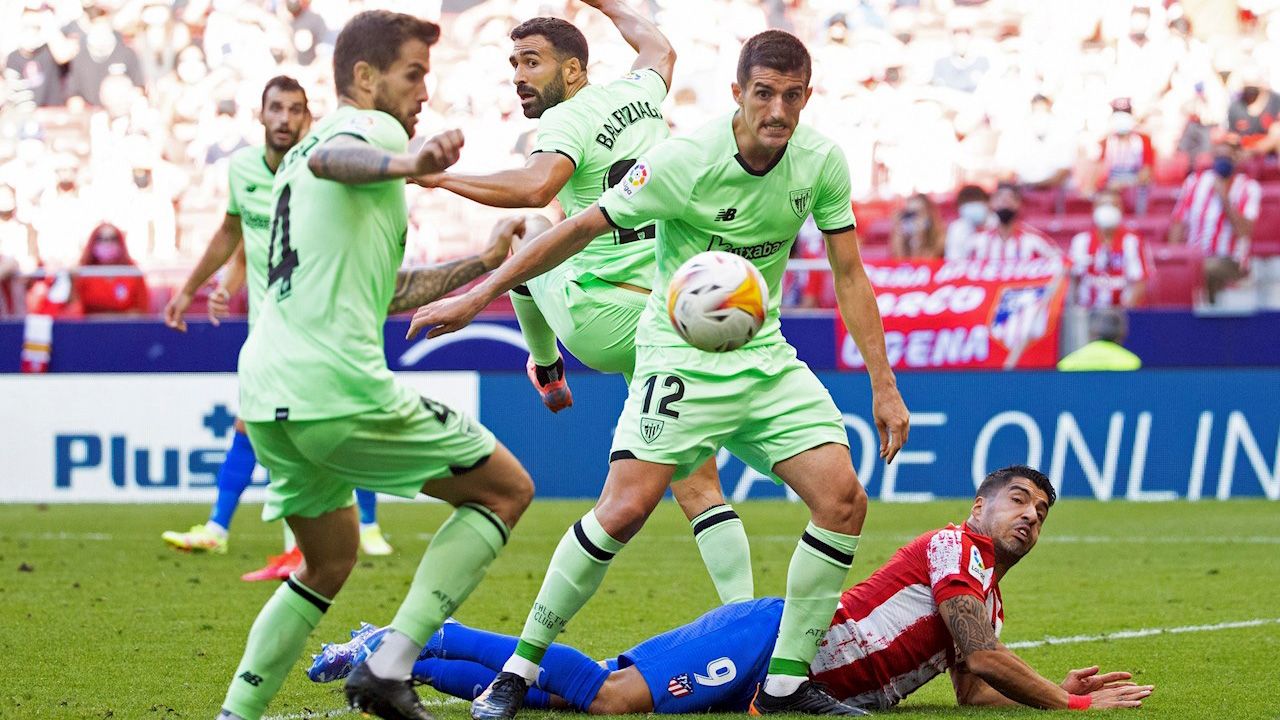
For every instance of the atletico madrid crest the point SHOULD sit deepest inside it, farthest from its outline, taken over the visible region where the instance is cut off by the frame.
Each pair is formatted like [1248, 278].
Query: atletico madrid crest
[680, 685]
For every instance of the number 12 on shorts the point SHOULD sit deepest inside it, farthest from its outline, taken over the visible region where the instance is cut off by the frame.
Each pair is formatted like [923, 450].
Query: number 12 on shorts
[672, 383]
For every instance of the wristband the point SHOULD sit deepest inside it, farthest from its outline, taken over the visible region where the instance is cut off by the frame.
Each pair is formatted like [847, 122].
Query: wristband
[1079, 702]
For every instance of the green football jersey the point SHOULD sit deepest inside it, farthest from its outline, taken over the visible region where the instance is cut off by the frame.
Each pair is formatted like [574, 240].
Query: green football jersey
[315, 350]
[704, 197]
[250, 181]
[603, 129]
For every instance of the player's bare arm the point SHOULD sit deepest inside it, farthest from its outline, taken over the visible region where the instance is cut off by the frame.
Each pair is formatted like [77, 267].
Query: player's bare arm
[857, 302]
[418, 286]
[539, 255]
[981, 655]
[234, 279]
[352, 161]
[224, 243]
[533, 185]
[653, 50]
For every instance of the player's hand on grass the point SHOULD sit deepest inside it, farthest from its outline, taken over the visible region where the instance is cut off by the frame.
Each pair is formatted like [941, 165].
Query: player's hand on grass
[175, 308]
[446, 316]
[219, 306]
[1120, 695]
[438, 153]
[893, 422]
[1087, 680]
[506, 230]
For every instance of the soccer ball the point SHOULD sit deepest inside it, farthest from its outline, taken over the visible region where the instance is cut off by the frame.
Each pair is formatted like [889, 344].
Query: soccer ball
[717, 301]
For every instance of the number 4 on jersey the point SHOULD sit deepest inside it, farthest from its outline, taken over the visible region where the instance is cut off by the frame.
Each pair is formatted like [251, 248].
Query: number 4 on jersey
[283, 270]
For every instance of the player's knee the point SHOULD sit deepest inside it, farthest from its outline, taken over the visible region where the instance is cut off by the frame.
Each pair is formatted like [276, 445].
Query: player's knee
[844, 508]
[327, 576]
[622, 517]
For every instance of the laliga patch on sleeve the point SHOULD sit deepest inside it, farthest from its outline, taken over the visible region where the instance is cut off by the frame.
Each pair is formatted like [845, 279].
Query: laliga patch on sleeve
[633, 76]
[361, 124]
[635, 180]
[977, 569]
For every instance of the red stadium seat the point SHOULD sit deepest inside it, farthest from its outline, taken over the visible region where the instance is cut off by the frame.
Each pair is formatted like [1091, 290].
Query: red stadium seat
[1177, 274]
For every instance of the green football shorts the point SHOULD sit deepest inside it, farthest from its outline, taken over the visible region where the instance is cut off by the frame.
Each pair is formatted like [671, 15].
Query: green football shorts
[316, 464]
[596, 320]
[762, 404]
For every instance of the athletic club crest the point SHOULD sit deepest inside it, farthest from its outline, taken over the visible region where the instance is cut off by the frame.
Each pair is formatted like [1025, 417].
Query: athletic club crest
[650, 429]
[800, 200]
[680, 685]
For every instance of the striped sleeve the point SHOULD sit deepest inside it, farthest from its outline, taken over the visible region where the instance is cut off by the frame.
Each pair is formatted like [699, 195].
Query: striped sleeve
[948, 556]
[1188, 191]
[1252, 200]
[1135, 261]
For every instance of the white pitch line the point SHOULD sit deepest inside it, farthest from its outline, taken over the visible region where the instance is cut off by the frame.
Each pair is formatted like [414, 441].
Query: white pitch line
[1144, 632]
[58, 536]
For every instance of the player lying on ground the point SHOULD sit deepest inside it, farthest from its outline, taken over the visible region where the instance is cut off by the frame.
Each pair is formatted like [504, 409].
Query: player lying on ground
[589, 136]
[934, 606]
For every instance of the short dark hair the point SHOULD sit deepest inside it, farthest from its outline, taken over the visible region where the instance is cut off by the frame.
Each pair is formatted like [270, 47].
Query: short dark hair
[375, 36]
[997, 479]
[567, 40]
[1011, 187]
[972, 193]
[283, 83]
[776, 50]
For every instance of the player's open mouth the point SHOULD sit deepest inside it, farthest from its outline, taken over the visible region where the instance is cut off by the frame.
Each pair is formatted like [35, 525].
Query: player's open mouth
[1022, 532]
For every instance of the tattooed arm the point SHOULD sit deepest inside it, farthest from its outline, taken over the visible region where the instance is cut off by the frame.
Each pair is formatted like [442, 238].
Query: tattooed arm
[980, 654]
[419, 286]
[352, 161]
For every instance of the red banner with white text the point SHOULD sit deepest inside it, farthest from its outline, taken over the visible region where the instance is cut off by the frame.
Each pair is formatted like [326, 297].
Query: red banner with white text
[964, 314]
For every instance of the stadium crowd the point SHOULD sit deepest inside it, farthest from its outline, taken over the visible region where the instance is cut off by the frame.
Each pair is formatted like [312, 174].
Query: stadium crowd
[973, 128]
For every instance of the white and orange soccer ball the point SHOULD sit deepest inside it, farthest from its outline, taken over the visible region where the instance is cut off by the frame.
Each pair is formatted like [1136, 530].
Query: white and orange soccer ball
[717, 301]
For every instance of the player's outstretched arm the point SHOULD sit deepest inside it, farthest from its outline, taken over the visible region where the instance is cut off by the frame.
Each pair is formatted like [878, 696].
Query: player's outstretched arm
[533, 185]
[858, 309]
[652, 47]
[539, 255]
[981, 655]
[224, 243]
[419, 286]
[352, 161]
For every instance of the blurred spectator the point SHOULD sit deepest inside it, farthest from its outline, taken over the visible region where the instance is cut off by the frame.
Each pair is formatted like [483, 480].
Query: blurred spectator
[1109, 262]
[1215, 212]
[917, 230]
[963, 69]
[1253, 114]
[308, 30]
[1010, 238]
[17, 251]
[803, 288]
[102, 52]
[1127, 159]
[32, 66]
[64, 215]
[973, 205]
[1108, 329]
[123, 293]
[1041, 152]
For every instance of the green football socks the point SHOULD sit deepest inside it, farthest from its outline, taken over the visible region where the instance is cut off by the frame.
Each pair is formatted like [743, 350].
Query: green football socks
[814, 581]
[726, 552]
[276, 640]
[577, 568]
[538, 335]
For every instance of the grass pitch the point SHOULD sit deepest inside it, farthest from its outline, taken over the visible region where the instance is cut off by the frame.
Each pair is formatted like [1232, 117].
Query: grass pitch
[101, 620]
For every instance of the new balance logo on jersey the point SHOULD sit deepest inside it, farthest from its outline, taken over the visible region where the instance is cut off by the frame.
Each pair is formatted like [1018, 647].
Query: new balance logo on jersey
[254, 680]
[726, 215]
[251, 188]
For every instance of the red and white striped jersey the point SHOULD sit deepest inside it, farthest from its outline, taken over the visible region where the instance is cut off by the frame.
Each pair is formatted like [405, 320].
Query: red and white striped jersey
[1124, 156]
[1199, 206]
[1023, 243]
[1105, 269]
[887, 638]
